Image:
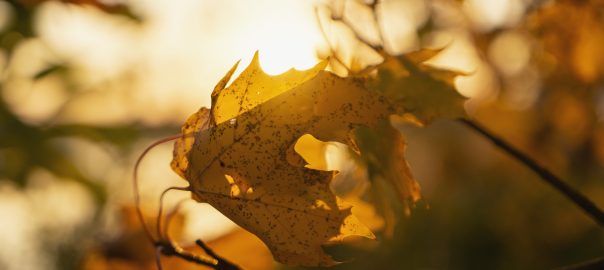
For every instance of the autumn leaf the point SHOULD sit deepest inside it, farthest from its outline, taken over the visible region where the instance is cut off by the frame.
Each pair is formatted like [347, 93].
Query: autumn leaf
[240, 156]
[383, 154]
[420, 92]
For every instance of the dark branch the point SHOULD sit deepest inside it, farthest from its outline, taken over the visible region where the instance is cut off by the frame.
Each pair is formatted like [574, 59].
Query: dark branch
[168, 249]
[222, 264]
[214, 261]
[576, 197]
[593, 264]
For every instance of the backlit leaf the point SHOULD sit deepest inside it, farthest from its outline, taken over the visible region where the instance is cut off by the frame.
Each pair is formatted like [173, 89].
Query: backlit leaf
[244, 156]
[419, 91]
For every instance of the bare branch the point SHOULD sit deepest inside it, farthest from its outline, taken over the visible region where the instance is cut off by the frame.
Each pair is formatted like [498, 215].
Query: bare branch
[593, 264]
[589, 207]
[170, 249]
[214, 261]
[223, 264]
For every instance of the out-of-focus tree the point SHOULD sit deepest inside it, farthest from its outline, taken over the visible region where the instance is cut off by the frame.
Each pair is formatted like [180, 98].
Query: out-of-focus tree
[535, 76]
[28, 147]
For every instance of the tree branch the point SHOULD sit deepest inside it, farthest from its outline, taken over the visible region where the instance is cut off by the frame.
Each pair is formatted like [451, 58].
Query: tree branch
[575, 196]
[223, 264]
[214, 261]
[593, 264]
[167, 249]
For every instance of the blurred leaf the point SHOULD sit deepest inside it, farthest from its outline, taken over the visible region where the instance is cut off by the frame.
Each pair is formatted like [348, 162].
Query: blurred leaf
[47, 71]
[383, 154]
[419, 91]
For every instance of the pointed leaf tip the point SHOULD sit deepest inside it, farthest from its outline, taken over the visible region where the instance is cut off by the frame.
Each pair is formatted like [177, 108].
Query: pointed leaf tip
[225, 79]
[255, 59]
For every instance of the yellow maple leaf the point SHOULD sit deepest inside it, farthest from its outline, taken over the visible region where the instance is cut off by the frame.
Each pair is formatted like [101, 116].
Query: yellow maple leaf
[253, 87]
[240, 156]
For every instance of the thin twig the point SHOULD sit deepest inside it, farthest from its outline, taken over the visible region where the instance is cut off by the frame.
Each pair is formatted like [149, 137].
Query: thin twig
[158, 257]
[164, 246]
[575, 196]
[161, 208]
[222, 264]
[332, 51]
[214, 261]
[169, 249]
[137, 199]
[593, 264]
[165, 233]
[379, 48]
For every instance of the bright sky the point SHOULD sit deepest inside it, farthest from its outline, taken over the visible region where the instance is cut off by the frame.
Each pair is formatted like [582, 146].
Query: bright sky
[180, 52]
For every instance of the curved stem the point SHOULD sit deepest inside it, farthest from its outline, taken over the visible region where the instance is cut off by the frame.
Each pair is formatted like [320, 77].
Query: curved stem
[164, 246]
[158, 257]
[165, 233]
[589, 207]
[160, 212]
[137, 197]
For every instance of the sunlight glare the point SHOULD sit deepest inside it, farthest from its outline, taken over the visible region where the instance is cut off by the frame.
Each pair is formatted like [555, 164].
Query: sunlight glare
[488, 15]
[286, 37]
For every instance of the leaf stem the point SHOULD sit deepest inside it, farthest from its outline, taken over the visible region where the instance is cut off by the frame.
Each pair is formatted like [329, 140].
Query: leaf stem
[589, 207]
[135, 190]
[158, 225]
[163, 246]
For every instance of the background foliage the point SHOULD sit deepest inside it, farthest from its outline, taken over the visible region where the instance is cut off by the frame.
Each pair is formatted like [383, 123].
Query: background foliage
[76, 109]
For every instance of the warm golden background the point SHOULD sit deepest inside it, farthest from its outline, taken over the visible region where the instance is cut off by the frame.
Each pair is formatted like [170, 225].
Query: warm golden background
[86, 85]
